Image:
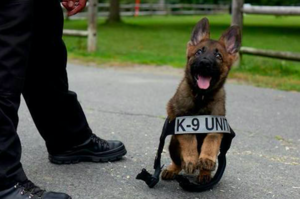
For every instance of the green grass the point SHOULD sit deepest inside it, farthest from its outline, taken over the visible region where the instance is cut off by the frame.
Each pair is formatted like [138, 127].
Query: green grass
[162, 41]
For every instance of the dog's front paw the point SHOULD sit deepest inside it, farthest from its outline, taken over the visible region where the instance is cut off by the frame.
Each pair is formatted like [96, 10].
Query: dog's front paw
[206, 164]
[189, 167]
[168, 175]
[204, 177]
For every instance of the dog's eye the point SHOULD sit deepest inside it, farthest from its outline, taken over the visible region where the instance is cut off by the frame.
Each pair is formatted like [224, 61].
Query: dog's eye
[219, 56]
[200, 51]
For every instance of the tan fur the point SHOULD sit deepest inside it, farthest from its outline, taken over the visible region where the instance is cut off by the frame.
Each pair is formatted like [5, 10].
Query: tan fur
[171, 171]
[188, 144]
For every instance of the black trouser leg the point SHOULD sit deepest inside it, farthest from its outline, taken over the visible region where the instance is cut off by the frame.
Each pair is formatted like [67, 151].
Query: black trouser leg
[55, 110]
[30, 35]
[15, 36]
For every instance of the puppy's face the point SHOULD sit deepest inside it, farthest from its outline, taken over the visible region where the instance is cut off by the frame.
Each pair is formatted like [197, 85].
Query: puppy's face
[209, 61]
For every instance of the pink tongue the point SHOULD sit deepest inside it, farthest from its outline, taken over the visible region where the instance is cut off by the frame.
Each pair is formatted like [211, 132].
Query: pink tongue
[203, 82]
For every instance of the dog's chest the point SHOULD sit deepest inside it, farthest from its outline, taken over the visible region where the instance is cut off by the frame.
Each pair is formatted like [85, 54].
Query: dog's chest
[201, 108]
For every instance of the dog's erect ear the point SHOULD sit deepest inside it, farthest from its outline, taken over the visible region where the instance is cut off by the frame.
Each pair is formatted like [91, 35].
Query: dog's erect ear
[200, 32]
[232, 39]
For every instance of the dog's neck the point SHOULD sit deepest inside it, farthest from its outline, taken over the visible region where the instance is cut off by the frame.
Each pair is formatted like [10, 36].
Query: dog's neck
[204, 100]
[188, 102]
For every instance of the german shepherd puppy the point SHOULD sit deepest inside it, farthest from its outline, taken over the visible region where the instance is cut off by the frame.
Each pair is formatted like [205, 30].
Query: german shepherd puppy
[201, 92]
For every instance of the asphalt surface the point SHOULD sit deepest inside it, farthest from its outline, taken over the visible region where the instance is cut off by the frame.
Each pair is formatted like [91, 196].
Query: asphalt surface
[263, 162]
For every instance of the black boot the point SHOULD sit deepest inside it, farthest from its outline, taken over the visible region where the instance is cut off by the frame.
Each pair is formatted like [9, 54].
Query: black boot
[94, 149]
[27, 190]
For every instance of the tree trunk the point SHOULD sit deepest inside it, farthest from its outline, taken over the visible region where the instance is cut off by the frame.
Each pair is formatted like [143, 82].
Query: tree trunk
[114, 12]
[162, 4]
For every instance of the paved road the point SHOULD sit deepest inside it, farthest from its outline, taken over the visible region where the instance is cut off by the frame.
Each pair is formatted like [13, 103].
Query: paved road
[264, 160]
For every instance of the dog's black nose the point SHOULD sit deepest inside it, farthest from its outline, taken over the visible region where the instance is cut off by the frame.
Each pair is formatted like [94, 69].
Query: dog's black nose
[205, 63]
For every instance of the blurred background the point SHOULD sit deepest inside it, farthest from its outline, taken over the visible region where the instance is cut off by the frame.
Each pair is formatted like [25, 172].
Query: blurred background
[155, 32]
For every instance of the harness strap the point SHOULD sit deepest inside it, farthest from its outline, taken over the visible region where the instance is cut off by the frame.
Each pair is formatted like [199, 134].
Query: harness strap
[152, 180]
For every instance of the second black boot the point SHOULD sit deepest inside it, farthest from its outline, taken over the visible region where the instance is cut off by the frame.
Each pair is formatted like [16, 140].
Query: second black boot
[28, 190]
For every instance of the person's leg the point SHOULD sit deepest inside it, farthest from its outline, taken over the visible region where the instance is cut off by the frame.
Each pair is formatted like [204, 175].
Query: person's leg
[16, 22]
[15, 35]
[55, 110]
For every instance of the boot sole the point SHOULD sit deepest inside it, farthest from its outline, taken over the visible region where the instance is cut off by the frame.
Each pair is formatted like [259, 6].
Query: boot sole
[87, 158]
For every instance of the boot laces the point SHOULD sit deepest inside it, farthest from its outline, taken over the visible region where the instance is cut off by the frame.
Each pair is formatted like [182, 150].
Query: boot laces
[30, 187]
[103, 143]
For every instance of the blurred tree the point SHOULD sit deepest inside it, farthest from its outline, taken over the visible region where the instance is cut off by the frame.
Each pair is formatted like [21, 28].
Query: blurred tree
[114, 12]
[162, 4]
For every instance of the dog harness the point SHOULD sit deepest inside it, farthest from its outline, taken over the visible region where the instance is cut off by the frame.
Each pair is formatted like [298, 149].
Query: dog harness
[202, 124]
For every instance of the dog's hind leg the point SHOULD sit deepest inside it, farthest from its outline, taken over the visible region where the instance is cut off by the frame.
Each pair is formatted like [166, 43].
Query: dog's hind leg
[170, 172]
[175, 167]
[208, 156]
